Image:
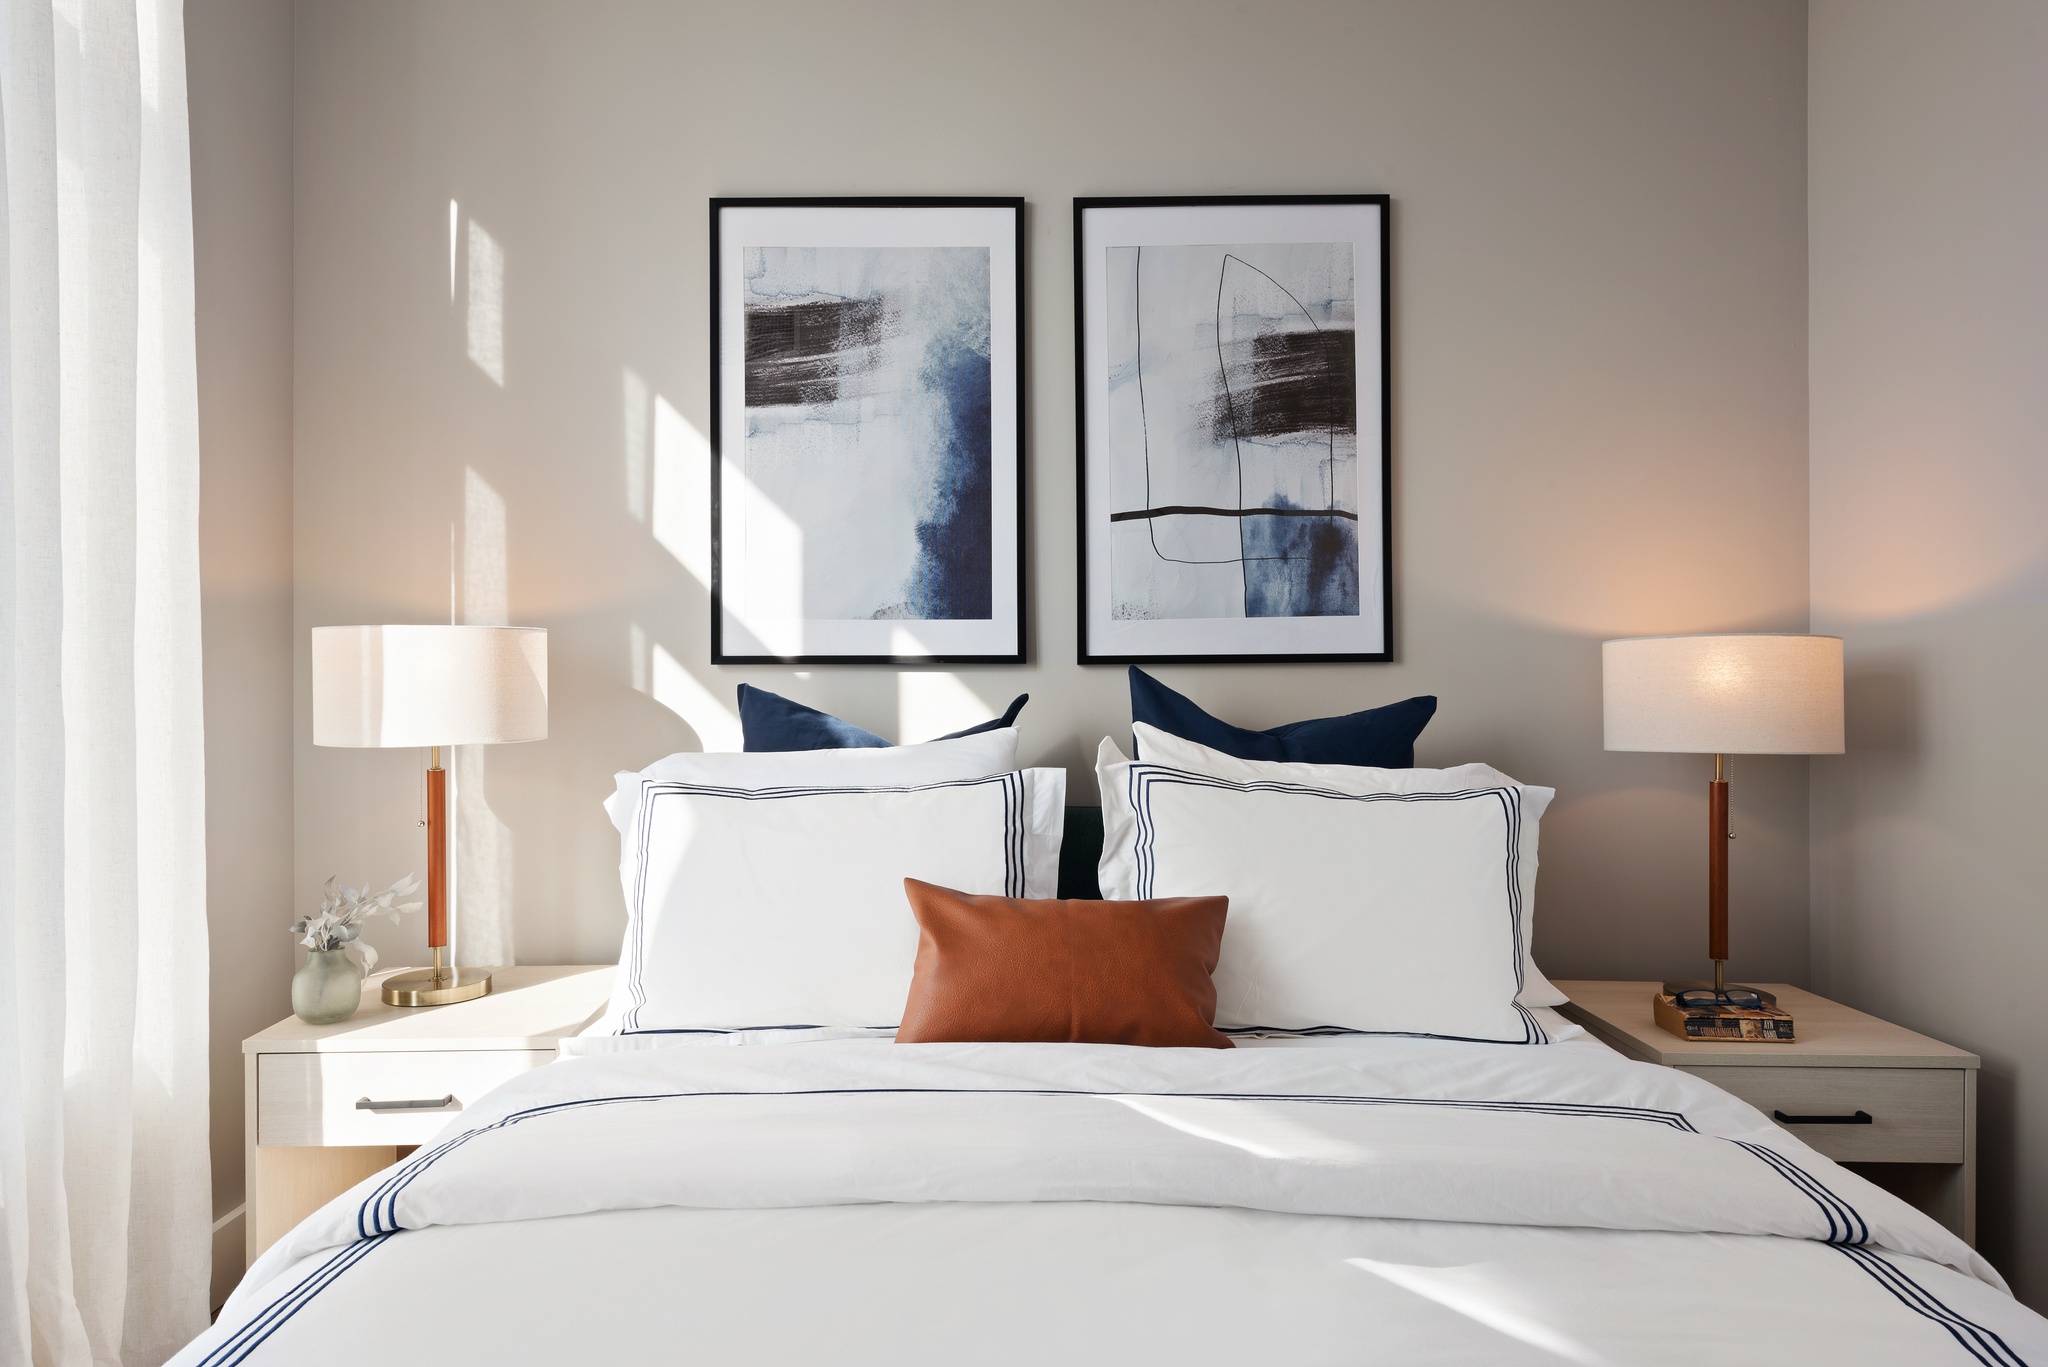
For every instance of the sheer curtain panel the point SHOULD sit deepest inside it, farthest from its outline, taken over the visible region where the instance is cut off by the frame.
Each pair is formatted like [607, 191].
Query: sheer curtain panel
[104, 1204]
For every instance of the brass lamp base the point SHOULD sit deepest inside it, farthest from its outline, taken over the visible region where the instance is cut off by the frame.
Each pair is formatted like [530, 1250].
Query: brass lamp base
[436, 986]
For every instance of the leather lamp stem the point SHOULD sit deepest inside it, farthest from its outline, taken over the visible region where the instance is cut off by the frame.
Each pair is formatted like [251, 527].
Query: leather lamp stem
[1717, 869]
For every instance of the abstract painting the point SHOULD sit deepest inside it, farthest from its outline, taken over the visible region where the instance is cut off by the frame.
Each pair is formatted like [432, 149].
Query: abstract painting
[1232, 428]
[866, 486]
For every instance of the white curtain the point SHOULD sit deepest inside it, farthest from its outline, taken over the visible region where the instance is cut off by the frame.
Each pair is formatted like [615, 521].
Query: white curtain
[103, 1111]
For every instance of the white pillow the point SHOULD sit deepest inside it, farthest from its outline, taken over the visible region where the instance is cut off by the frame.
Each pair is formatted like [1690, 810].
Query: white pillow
[939, 761]
[752, 907]
[975, 756]
[1379, 911]
[1178, 753]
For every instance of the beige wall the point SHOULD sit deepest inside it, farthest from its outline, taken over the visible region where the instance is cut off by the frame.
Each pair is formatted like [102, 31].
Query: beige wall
[1929, 388]
[239, 56]
[1599, 360]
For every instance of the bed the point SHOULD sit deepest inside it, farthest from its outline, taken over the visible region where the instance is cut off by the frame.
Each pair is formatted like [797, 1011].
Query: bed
[1407, 1156]
[1301, 1199]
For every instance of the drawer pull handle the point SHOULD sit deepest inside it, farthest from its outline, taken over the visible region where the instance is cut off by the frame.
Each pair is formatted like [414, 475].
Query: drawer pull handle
[1859, 1118]
[426, 1104]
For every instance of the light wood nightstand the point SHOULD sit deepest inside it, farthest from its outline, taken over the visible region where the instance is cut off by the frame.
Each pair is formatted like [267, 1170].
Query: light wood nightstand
[1920, 1141]
[328, 1105]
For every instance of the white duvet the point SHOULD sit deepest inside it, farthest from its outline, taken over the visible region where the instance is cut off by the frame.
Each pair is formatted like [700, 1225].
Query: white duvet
[1343, 1200]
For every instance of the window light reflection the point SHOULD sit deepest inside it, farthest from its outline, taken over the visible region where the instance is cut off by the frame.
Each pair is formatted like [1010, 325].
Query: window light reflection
[1258, 1129]
[1482, 1297]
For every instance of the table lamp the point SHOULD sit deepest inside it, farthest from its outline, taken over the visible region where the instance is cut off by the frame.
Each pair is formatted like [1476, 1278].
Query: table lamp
[404, 686]
[1723, 695]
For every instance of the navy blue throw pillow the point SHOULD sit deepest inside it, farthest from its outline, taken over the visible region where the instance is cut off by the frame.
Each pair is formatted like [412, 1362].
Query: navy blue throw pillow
[769, 721]
[1381, 737]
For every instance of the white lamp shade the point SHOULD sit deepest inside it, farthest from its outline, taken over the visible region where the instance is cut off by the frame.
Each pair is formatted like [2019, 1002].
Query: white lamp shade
[415, 686]
[1730, 695]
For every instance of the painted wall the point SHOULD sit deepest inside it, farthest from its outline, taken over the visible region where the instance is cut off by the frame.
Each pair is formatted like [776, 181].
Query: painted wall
[500, 351]
[1929, 389]
[239, 75]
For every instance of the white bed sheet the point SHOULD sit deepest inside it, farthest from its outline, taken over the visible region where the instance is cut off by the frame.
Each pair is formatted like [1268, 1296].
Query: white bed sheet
[1323, 1201]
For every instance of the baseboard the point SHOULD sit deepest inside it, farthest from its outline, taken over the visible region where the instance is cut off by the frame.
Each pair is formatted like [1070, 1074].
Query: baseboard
[228, 1244]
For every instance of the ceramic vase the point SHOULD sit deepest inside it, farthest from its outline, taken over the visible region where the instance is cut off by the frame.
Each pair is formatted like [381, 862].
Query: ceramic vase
[327, 987]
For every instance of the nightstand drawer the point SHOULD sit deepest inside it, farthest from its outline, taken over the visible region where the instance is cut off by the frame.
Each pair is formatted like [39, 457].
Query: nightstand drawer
[310, 1099]
[1916, 1113]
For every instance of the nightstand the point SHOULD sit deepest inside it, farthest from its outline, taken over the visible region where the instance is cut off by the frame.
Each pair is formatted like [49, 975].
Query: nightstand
[1918, 1096]
[328, 1105]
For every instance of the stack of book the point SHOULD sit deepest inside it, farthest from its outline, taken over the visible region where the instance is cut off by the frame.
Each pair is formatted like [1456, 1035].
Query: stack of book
[1765, 1024]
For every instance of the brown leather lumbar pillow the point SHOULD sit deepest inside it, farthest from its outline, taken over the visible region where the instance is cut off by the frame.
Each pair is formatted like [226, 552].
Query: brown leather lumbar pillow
[1008, 969]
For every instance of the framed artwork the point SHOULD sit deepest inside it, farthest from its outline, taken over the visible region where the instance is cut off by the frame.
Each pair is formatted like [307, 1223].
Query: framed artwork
[1231, 357]
[867, 431]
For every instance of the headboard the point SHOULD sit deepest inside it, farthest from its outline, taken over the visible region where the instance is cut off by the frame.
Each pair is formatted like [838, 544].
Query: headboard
[1080, 851]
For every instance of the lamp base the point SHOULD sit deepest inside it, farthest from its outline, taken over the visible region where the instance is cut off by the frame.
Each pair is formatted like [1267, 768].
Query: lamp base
[436, 986]
[1672, 989]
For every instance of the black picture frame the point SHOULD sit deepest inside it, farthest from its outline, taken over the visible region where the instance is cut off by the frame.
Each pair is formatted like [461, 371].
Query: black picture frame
[1015, 645]
[1087, 565]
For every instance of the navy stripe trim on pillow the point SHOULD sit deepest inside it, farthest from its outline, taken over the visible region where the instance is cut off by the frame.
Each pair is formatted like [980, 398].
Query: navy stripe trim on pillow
[1015, 818]
[1142, 779]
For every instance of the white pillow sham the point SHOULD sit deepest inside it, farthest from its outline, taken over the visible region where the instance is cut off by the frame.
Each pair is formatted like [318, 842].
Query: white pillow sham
[773, 906]
[1178, 753]
[939, 761]
[1377, 911]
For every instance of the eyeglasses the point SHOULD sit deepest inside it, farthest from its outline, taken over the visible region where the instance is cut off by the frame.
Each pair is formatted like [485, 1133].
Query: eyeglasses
[1698, 997]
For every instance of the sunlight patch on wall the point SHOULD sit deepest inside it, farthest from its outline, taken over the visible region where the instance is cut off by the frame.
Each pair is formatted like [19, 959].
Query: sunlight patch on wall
[637, 644]
[480, 876]
[716, 722]
[486, 303]
[682, 491]
[484, 591]
[930, 705]
[480, 879]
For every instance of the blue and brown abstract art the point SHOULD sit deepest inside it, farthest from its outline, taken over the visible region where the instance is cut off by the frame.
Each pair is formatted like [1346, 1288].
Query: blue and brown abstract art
[867, 424]
[1232, 431]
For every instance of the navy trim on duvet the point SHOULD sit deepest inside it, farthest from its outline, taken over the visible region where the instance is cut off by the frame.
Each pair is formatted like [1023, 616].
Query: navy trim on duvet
[1979, 1342]
[1535, 1033]
[237, 1346]
[1141, 779]
[1268, 1031]
[1015, 819]
[377, 1216]
[1845, 1226]
[378, 1213]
